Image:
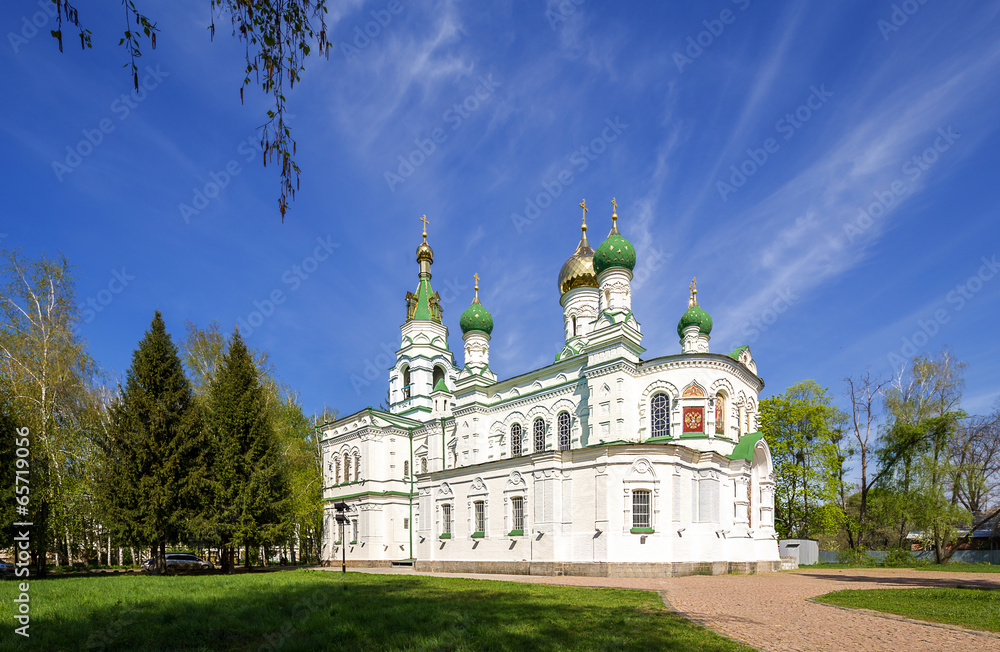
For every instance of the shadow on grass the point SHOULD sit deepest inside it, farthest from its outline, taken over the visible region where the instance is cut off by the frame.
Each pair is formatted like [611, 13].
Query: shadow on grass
[922, 581]
[315, 610]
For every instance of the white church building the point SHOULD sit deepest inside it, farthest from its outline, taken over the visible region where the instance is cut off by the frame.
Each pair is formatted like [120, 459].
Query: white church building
[603, 463]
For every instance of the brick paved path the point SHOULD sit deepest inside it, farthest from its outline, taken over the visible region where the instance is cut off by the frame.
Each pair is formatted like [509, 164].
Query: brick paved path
[771, 611]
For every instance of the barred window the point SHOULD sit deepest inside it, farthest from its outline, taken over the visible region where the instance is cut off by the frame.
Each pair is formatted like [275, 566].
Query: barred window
[515, 440]
[336, 476]
[406, 468]
[480, 513]
[354, 529]
[564, 433]
[539, 428]
[640, 508]
[423, 465]
[357, 467]
[660, 415]
[517, 512]
[406, 523]
[446, 519]
[347, 467]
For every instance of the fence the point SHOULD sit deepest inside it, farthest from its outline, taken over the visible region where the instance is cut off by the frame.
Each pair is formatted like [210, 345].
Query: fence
[966, 556]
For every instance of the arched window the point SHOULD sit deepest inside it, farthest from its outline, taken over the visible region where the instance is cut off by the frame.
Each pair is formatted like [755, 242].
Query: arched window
[539, 428]
[438, 375]
[720, 414]
[641, 509]
[564, 433]
[357, 467]
[336, 473]
[347, 467]
[574, 325]
[660, 415]
[406, 383]
[515, 440]
[739, 425]
[406, 468]
[423, 465]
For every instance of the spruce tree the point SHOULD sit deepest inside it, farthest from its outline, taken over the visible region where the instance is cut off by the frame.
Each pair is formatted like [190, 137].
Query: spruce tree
[150, 476]
[252, 493]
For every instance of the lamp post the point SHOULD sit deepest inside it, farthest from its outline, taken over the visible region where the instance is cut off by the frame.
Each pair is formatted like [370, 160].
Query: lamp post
[342, 507]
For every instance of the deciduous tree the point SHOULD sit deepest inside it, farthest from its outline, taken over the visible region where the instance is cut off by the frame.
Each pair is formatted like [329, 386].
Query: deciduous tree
[803, 427]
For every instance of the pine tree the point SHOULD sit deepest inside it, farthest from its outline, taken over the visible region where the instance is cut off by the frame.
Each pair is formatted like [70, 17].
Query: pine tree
[252, 496]
[150, 477]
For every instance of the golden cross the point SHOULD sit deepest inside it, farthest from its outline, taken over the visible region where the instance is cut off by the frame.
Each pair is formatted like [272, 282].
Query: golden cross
[476, 276]
[694, 291]
[586, 210]
[614, 205]
[424, 220]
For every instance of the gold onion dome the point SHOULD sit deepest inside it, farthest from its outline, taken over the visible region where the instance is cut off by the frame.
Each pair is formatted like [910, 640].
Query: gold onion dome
[423, 249]
[578, 270]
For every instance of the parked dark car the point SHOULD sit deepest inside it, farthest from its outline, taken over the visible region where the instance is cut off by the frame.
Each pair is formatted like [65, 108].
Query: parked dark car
[6, 568]
[181, 561]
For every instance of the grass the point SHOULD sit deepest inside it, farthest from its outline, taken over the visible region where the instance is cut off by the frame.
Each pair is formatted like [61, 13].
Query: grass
[310, 610]
[954, 567]
[966, 607]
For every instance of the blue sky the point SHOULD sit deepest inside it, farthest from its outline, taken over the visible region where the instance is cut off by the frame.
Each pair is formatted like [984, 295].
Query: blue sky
[827, 170]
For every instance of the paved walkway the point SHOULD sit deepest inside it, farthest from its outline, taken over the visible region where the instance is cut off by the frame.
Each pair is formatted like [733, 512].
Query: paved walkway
[772, 611]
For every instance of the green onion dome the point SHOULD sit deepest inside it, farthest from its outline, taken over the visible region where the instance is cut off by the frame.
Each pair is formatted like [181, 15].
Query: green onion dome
[695, 315]
[616, 251]
[476, 317]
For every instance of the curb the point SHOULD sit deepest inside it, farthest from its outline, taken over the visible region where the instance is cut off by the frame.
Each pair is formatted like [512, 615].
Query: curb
[666, 603]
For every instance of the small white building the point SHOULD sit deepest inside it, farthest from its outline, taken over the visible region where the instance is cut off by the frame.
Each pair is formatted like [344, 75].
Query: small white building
[602, 463]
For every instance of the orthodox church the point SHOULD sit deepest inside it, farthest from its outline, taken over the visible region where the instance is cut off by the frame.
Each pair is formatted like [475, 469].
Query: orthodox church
[604, 463]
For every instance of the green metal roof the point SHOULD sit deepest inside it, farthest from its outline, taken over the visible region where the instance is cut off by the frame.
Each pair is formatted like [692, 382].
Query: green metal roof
[744, 449]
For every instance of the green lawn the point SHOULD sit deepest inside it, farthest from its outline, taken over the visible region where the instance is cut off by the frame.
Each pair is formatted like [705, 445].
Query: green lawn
[971, 608]
[316, 610]
[957, 567]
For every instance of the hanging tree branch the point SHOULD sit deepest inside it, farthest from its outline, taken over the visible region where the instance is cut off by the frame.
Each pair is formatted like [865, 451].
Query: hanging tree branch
[278, 36]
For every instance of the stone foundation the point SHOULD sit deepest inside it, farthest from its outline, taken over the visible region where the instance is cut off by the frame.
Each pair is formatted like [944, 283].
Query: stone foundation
[600, 569]
[358, 563]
